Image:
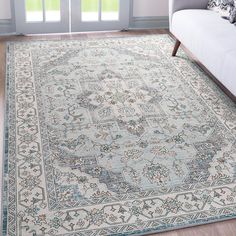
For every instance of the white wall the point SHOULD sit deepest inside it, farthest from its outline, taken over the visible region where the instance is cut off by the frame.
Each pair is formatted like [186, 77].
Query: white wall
[143, 8]
[5, 9]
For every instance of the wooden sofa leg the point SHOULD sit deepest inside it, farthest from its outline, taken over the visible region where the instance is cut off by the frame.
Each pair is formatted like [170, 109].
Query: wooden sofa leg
[177, 44]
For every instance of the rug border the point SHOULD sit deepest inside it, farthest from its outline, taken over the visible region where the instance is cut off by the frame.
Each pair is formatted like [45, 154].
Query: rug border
[194, 224]
[4, 161]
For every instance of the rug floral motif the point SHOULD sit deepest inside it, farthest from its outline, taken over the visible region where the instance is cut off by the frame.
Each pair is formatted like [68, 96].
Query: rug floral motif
[114, 137]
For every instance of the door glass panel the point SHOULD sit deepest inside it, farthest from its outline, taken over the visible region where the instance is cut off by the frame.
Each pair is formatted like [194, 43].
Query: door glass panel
[110, 10]
[90, 10]
[34, 10]
[52, 10]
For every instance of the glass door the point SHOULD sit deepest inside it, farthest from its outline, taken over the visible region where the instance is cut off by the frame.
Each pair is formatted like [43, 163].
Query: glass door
[42, 16]
[64, 16]
[97, 15]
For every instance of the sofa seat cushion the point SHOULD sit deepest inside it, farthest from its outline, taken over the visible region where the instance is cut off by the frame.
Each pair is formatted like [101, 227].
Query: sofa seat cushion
[211, 39]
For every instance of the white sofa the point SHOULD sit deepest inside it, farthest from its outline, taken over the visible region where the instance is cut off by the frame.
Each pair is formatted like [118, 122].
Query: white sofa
[211, 39]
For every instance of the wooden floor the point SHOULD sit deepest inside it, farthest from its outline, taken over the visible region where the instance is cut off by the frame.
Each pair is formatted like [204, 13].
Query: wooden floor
[226, 228]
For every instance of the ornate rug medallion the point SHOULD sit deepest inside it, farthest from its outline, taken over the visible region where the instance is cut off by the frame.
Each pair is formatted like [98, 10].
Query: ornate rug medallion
[114, 137]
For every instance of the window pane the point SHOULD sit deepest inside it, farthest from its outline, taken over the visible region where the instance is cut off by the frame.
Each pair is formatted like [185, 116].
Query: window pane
[90, 9]
[34, 10]
[110, 9]
[52, 8]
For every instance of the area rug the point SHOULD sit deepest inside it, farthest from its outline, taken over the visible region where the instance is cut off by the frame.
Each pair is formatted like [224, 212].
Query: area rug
[114, 137]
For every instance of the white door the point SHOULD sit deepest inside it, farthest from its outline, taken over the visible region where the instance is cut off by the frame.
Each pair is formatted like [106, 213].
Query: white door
[42, 16]
[97, 15]
[64, 16]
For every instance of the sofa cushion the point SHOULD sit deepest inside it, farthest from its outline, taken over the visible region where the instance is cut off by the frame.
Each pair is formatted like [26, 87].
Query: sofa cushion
[211, 39]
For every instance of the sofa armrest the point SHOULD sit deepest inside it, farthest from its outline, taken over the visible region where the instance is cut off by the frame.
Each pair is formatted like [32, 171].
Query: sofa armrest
[177, 5]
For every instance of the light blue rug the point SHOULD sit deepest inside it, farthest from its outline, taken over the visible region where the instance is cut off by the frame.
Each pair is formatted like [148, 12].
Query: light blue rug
[114, 137]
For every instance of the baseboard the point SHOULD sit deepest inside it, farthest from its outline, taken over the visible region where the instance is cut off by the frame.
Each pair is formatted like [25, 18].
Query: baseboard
[159, 22]
[6, 27]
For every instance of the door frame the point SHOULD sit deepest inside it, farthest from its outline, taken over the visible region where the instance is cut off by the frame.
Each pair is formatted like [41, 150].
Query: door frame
[19, 28]
[77, 25]
[42, 27]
